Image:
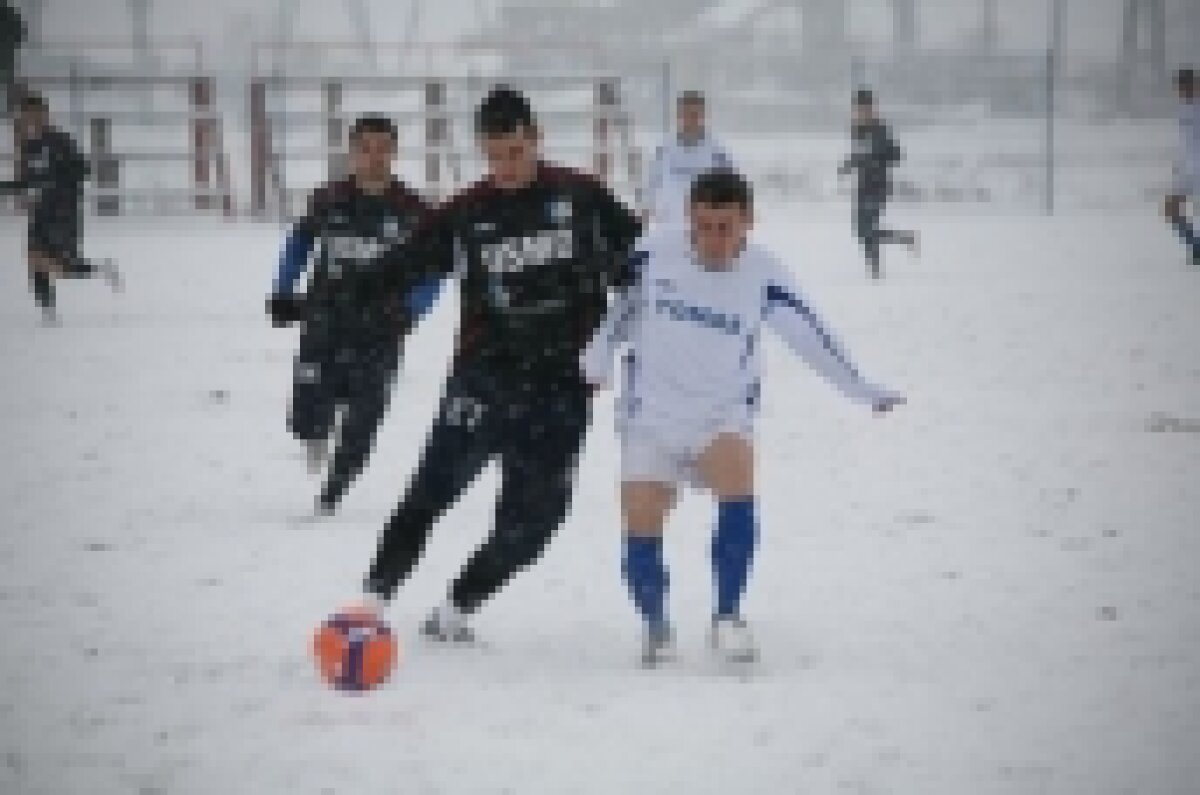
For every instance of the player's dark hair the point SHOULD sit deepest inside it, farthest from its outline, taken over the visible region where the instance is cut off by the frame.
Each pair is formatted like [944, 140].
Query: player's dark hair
[32, 102]
[721, 187]
[1185, 77]
[864, 97]
[502, 112]
[373, 124]
[691, 97]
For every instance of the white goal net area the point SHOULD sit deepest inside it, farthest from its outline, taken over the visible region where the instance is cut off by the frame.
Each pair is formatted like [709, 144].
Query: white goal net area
[150, 124]
[169, 131]
[302, 103]
[170, 136]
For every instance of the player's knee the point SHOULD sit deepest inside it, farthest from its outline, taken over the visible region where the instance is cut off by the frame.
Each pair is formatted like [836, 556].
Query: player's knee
[645, 522]
[728, 467]
[522, 542]
[644, 507]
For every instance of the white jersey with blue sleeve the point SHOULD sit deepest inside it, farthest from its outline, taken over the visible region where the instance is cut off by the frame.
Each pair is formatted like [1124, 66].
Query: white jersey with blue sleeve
[1187, 164]
[692, 337]
[676, 164]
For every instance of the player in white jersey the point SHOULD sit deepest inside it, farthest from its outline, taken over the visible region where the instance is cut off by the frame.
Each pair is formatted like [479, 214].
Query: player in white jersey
[1186, 187]
[680, 159]
[692, 325]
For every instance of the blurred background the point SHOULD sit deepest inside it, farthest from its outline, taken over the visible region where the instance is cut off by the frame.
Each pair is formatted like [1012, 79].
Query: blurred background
[239, 107]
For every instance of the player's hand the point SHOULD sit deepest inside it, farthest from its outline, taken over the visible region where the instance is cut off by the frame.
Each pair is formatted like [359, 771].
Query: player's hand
[1173, 206]
[284, 310]
[885, 403]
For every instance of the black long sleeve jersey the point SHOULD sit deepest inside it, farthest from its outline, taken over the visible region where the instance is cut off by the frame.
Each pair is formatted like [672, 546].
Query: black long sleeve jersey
[535, 267]
[873, 154]
[53, 168]
[349, 230]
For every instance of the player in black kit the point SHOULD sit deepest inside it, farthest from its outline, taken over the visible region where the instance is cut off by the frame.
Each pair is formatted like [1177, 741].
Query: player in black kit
[537, 248]
[51, 172]
[352, 329]
[873, 155]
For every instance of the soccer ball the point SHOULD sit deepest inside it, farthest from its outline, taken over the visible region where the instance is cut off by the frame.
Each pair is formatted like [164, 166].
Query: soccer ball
[354, 652]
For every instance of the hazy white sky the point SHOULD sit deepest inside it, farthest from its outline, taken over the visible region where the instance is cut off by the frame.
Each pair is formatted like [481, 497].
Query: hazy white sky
[1093, 24]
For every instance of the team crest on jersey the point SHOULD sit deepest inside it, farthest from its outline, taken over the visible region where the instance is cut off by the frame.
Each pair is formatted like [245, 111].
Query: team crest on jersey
[391, 228]
[559, 211]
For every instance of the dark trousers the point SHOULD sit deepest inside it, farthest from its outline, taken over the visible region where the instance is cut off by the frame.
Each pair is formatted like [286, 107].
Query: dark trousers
[537, 437]
[868, 214]
[334, 373]
[1181, 222]
[55, 226]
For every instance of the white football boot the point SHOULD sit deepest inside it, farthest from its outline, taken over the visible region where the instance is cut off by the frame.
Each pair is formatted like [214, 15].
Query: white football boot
[448, 624]
[107, 270]
[658, 645]
[732, 641]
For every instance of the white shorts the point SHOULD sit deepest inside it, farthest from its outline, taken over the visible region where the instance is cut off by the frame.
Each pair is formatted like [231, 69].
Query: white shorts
[670, 455]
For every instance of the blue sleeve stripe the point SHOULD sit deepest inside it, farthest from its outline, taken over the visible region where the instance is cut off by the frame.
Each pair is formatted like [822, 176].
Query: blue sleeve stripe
[293, 261]
[778, 296]
[632, 401]
[423, 297]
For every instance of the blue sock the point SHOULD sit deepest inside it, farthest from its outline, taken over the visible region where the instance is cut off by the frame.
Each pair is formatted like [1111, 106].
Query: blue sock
[732, 551]
[646, 575]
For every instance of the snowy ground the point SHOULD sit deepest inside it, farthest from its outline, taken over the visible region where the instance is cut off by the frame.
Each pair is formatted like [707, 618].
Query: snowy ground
[993, 591]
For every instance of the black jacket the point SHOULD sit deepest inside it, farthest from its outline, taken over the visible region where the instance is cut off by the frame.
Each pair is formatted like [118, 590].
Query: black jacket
[53, 168]
[535, 267]
[873, 154]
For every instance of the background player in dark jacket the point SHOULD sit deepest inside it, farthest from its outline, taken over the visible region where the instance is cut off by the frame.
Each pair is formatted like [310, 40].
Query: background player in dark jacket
[51, 174]
[537, 248]
[873, 155]
[352, 330]
[12, 35]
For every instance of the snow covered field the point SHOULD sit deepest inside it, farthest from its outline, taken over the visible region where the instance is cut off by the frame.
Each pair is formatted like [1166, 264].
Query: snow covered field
[993, 591]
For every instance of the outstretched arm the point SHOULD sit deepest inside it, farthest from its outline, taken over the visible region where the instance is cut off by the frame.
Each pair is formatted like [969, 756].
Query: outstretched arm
[596, 361]
[790, 316]
[413, 270]
[890, 151]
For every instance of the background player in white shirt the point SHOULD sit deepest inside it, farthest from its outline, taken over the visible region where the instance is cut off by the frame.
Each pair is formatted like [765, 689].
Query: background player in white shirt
[1186, 187]
[680, 159]
[692, 323]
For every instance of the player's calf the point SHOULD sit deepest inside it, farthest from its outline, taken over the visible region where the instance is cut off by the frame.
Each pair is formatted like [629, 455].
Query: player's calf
[727, 467]
[645, 505]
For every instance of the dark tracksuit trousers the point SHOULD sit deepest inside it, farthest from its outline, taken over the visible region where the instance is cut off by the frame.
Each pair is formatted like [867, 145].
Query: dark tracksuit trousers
[336, 371]
[869, 205]
[55, 227]
[537, 436]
